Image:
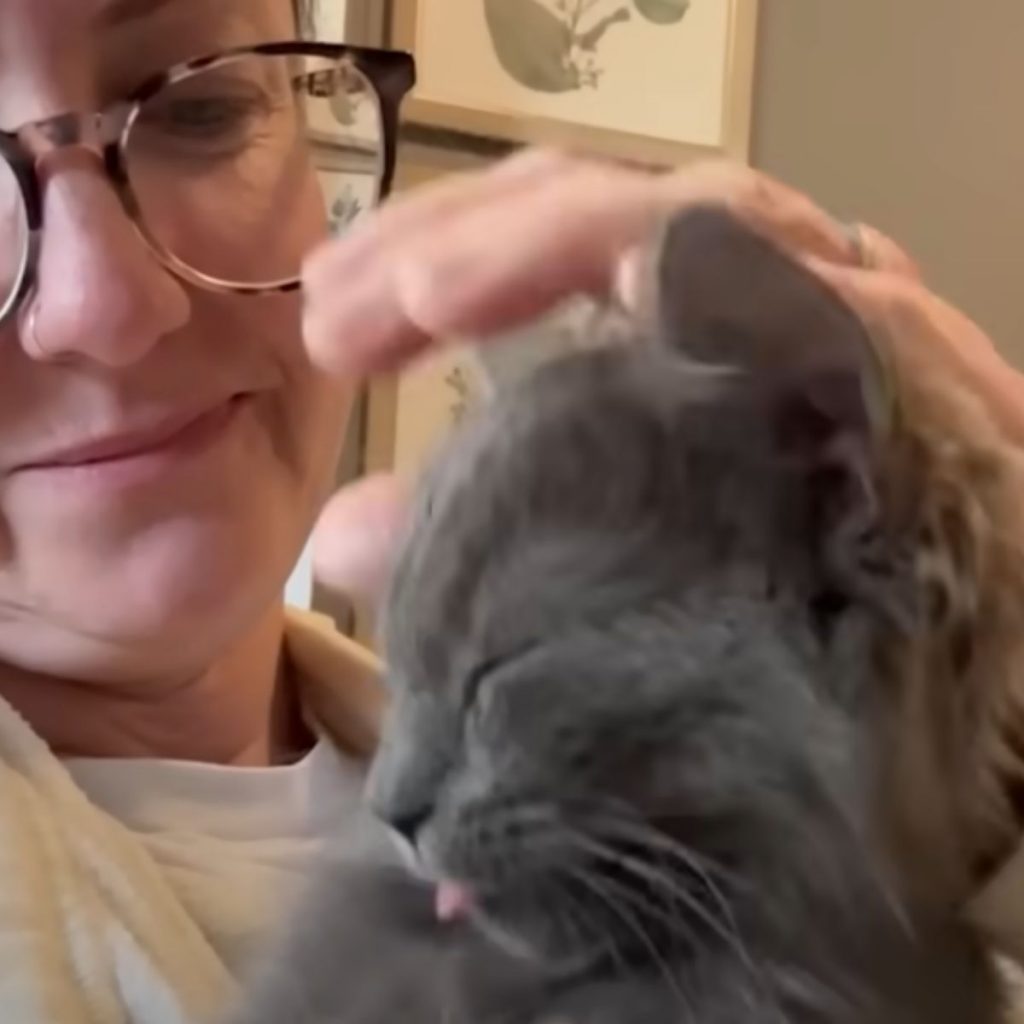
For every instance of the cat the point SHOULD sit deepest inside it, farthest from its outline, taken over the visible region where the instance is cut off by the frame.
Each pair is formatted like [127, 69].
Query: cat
[645, 740]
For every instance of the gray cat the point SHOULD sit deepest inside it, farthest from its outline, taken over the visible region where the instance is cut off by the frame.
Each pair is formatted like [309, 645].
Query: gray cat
[637, 723]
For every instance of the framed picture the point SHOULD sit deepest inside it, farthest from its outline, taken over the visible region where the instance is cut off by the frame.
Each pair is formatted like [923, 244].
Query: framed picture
[658, 82]
[349, 21]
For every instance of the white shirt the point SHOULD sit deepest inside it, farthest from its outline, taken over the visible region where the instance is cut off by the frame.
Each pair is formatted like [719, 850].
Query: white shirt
[234, 843]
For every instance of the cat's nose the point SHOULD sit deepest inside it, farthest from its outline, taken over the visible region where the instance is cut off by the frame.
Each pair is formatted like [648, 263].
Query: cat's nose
[408, 822]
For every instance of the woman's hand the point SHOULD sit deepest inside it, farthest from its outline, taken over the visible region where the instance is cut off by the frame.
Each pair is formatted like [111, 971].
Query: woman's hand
[928, 341]
[477, 253]
[480, 253]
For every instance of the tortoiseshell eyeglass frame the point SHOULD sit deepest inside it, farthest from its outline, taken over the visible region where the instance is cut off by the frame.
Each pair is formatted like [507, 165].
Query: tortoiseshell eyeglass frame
[391, 73]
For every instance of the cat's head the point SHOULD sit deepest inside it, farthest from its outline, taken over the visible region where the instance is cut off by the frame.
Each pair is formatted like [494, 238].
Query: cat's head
[634, 636]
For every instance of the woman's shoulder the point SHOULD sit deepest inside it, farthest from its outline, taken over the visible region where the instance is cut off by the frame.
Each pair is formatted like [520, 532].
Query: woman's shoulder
[339, 681]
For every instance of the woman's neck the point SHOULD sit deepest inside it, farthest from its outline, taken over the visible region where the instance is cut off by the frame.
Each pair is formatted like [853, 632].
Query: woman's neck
[239, 712]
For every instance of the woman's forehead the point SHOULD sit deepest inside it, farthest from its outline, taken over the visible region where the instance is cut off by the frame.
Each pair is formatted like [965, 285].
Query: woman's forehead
[102, 22]
[106, 13]
[260, 15]
[59, 46]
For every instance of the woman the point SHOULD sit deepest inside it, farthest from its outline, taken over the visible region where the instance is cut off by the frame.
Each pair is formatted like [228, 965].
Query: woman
[175, 747]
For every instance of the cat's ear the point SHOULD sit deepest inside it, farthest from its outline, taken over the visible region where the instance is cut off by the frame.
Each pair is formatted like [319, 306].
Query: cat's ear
[803, 364]
[721, 294]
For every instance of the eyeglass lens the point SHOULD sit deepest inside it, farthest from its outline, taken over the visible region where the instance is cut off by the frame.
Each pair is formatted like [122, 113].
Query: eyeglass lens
[223, 173]
[13, 237]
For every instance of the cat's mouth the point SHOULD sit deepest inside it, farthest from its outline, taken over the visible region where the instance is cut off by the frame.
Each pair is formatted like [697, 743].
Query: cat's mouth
[580, 915]
[580, 885]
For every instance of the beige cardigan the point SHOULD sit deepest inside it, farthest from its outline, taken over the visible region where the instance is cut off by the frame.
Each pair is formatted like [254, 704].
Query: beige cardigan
[90, 930]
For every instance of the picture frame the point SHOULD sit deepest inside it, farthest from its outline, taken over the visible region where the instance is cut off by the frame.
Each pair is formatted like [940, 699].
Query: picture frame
[341, 160]
[357, 22]
[578, 74]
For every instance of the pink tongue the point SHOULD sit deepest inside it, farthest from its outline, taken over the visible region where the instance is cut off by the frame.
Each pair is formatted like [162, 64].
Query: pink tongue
[452, 901]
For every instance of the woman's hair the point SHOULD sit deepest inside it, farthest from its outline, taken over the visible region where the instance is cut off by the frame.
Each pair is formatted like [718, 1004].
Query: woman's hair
[956, 488]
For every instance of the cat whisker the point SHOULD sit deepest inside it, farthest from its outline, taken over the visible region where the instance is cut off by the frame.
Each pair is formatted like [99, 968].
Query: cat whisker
[644, 835]
[666, 881]
[600, 890]
[678, 893]
[647, 907]
[609, 944]
[650, 908]
[621, 816]
[648, 838]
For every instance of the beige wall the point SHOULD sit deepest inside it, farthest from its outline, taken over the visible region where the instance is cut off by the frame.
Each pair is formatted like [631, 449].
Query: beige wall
[908, 114]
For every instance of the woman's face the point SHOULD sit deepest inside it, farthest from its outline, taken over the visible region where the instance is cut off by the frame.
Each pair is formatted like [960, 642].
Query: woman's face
[163, 450]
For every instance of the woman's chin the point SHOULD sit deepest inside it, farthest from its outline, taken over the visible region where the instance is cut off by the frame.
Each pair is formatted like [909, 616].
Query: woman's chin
[180, 586]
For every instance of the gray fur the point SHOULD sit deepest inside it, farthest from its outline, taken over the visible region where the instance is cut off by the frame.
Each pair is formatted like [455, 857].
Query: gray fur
[631, 642]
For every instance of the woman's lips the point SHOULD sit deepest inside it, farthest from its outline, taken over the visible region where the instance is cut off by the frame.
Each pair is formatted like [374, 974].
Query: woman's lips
[132, 454]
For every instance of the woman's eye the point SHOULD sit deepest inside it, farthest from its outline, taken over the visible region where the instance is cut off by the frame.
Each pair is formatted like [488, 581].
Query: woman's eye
[208, 116]
[204, 124]
[204, 118]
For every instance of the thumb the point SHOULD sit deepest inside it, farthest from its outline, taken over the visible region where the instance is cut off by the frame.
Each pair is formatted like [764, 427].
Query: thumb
[356, 535]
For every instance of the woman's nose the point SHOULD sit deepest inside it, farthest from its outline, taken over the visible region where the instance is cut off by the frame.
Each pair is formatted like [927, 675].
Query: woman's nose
[101, 294]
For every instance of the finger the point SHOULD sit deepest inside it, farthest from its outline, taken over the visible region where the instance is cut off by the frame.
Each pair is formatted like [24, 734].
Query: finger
[880, 252]
[508, 256]
[788, 217]
[422, 209]
[918, 335]
[355, 538]
[500, 260]
[346, 275]
[354, 321]
[571, 235]
[884, 300]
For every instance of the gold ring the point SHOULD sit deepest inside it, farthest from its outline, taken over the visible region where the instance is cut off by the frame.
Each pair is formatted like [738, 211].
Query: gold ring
[857, 239]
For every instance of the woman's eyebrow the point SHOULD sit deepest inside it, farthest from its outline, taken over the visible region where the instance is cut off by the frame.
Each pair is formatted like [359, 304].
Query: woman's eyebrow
[118, 12]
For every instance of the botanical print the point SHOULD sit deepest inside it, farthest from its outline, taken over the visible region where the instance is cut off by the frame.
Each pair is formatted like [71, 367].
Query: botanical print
[644, 69]
[343, 108]
[345, 124]
[344, 209]
[461, 394]
[347, 192]
[554, 46]
[655, 81]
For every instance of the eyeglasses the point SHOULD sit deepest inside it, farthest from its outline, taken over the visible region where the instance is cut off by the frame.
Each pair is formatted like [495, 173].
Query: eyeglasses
[213, 161]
